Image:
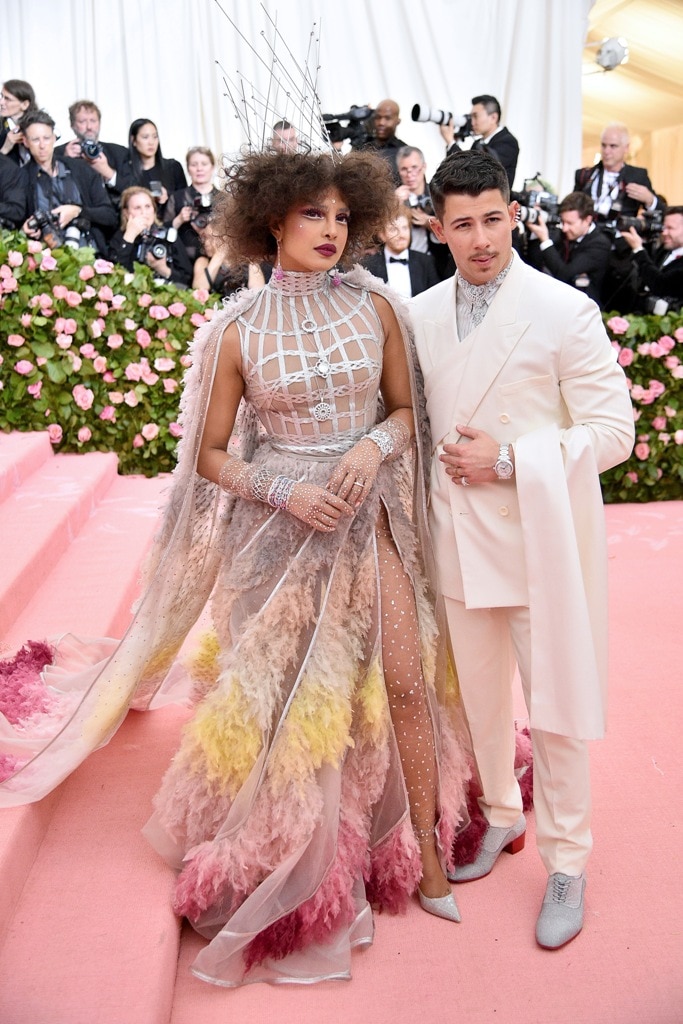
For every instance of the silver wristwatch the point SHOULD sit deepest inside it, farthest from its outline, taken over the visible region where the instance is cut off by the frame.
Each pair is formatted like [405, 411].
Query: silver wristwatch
[504, 467]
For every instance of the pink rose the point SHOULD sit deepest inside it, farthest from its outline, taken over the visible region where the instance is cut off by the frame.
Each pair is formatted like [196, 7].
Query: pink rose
[637, 392]
[618, 325]
[99, 364]
[40, 361]
[170, 385]
[129, 324]
[162, 334]
[117, 301]
[659, 423]
[164, 365]
[633, 477]
[34, 246]
[663, 436]
[133, 371]
[175, 430]
[14, 258]
[114, 341]
[85, 433]
[185, 360]
[88, 292]
[150, 431]
[5, 272]
[644, 349]
[24, 367]
[102, 308]
[48, 261]
[54, 432]
[16, 340]
[677, 372]
[59, 325]
[70, 326]
[83, 397]
[35, 389]
[200, 294]
[76, 361]
[60, 291]
[108, 413]
[209, 314]
[143, 337]
[159, 312]
[138, 441]
[168, 347]
[108, 377]
[88, 350]
[131, 399]
[656, 388]
[63, 340]
[197, 319]
[149, 377]
[96, 329]
[177, 308]
[678, 437]
[669, 410]
[85, 273]
[144, 300]
[73, 299]
[642, 450]
[26, 319]
[115, 397]
[103, 266]
[678, 334]
[656, 350]
[625, 357]
[44, 300]
[105, 293]
[667, 343]
[8, 285]
[671, 362]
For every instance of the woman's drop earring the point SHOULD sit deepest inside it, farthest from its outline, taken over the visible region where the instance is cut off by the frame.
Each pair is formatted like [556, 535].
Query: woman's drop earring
[279, 273]
[336, 278]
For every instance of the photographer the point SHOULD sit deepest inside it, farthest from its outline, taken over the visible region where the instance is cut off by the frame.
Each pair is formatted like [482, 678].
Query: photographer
[161, 175]
[108, 159]
[577, 253]
[11, 195]
[66, 194]
[489, 134]
[413, 192]
[17, 101]
[188, 210]
[143, 239]
[386, 120]
[660, 278]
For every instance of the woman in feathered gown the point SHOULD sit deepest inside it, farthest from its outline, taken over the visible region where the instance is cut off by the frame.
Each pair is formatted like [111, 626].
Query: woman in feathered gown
[322, 770]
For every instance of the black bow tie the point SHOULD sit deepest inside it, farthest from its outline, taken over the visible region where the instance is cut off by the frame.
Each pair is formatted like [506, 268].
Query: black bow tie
[395, 259]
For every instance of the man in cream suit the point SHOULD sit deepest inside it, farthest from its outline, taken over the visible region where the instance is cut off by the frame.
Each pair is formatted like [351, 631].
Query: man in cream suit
[527, 406]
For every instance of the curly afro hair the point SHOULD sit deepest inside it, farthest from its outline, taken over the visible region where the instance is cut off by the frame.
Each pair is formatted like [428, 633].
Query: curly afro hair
[261, 188]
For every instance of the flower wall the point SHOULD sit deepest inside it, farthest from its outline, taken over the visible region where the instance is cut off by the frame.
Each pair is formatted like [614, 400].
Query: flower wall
[95, 355]
[92, 353]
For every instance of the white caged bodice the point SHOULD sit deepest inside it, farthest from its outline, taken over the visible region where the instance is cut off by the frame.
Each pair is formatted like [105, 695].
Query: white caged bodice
[312, 363]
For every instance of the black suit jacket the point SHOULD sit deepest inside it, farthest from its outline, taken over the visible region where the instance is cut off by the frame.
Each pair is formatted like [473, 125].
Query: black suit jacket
[503, 146]
[421, 268]
[666, 282]
[11, 194]
[585, 176]
[119, 161]
[569, 261]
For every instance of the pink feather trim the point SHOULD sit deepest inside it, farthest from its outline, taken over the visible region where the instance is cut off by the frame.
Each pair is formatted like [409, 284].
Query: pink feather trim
[22, 692]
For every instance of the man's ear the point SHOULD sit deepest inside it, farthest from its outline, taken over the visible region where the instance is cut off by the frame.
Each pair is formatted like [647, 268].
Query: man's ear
[514, 211]
[436, 226]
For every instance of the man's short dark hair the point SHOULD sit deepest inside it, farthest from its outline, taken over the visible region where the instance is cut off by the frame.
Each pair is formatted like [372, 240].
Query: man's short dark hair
[37, 117]
[489, 103]
[673, 209]
[467, 174]
[579, 201]
[282, 126]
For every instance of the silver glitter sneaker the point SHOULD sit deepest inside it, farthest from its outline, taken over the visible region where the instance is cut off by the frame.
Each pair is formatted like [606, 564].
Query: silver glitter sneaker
[561, 916]
[492, 845]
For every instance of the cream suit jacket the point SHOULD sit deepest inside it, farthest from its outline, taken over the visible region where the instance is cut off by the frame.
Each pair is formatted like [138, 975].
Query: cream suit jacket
[540, 373]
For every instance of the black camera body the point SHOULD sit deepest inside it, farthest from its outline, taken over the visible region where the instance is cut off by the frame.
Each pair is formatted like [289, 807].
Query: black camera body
[648, 226]
[90, 148]
[538, 206]
[201, 211]
[357, 127]
[423, 202]
[156, 240]
[54, 236]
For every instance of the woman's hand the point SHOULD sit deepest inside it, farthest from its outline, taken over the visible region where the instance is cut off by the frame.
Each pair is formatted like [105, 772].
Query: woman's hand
[317, 507]
[159, 265]
[182, 217]
[355, 472]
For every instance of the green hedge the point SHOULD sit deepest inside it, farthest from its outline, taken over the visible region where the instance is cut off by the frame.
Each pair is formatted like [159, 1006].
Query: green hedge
[95, 355]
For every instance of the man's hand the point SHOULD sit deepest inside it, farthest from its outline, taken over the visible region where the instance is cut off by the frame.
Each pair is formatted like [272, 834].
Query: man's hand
[102, 166]
[471, 462]
[641, 193]
[540, 230]
[632, 238]
[66, 213]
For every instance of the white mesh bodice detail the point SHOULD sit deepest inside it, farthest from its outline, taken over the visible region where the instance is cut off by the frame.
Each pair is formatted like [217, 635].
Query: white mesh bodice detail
[280, 359]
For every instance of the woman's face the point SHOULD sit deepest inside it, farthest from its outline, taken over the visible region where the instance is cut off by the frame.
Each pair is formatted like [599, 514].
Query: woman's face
[200, 169]
[10, 106]
[313, 235]
[147, 140]
[141, 206]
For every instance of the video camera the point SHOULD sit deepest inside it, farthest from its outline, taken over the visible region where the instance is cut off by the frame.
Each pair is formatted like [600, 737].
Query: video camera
[156, 240]
[53, 235]
[462, 124]
[357, 127]
[201, 211]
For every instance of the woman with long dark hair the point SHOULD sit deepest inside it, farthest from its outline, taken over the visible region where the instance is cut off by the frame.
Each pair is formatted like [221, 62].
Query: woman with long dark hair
[161, 175]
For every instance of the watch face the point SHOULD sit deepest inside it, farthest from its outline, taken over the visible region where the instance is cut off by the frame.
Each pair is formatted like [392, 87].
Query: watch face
[504, 469]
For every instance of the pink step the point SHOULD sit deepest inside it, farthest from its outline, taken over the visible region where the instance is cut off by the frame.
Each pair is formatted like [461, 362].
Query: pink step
[21, 455]
[40, 519]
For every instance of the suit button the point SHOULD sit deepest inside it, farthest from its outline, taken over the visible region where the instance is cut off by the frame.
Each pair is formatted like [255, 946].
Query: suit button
[503, 510]
[504, 418]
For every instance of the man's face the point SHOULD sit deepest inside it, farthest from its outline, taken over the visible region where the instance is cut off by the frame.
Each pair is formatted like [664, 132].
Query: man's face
[672, 231]
[478, 231]
[574, 225]
[483, 123]
[386, 120]
[86, 123]
[40, 142]
[613, 149]
[411, 170]
[285, 140]
[396, 236]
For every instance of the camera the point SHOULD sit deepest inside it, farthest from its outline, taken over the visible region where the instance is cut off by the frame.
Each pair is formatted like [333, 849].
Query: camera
[462, 124]
[424, 202]
[358, 127]
[648, 226]
[201, 211]
[90, 148]
[536, 206]
[48, 226]
[156, 240]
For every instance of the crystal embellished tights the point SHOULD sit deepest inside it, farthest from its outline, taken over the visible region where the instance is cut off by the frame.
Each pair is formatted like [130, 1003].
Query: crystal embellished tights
[408, 702]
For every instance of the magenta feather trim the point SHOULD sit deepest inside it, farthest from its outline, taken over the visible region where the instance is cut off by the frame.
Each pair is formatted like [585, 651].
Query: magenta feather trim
[22, 692]
[9, 766]
[395, 870]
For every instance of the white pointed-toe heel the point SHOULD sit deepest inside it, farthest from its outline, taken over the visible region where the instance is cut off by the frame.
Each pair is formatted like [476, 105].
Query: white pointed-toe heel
[440, 906]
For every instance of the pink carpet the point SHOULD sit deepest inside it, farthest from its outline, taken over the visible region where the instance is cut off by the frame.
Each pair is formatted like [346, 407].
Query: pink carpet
[90, 938]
